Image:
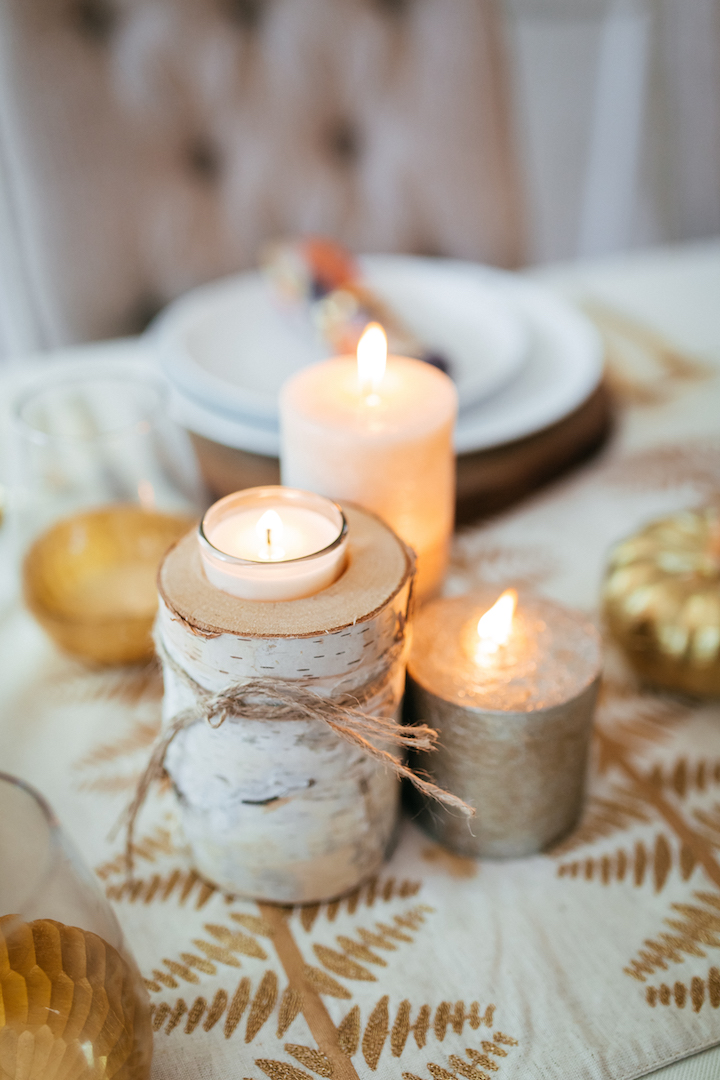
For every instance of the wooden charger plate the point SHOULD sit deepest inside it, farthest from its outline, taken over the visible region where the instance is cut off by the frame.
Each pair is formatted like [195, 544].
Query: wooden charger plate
[487, 480]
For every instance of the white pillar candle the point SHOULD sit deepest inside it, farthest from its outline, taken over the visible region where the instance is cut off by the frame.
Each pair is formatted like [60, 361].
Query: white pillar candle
[273, 543]
[378, 434]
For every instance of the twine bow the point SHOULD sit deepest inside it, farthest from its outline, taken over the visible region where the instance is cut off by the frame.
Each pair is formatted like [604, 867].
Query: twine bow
[286, 699]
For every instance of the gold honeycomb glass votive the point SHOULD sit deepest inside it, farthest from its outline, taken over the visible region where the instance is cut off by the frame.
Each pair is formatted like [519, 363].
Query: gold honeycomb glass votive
[661, 599]
[73, 1005]
[90, 580]
[70, 1005]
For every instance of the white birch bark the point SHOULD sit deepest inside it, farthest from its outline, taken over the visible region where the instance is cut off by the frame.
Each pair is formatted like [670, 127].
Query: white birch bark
[284, 810]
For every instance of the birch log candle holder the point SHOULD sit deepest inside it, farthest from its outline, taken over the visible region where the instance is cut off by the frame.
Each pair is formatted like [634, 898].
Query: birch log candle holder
[275, 715]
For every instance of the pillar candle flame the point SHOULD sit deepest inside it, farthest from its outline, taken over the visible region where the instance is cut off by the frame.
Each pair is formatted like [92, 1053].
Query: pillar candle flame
[495, 626]
[371, 359]
[270, 531]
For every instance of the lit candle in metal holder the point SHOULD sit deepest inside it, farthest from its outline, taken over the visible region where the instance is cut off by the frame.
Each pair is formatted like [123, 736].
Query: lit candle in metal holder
[510, 688]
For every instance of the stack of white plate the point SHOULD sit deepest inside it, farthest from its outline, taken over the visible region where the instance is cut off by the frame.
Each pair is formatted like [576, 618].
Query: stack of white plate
[522, 359]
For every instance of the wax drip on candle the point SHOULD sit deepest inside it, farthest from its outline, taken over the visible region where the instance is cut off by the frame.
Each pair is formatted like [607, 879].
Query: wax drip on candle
[270, 530]
[495, 626]
[371, 362]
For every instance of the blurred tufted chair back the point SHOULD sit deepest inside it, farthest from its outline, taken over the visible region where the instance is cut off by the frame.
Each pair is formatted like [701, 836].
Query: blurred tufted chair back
[148, 145]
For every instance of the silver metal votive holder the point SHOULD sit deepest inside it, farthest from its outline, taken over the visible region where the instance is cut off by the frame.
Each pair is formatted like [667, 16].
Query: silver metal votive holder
[514, 727]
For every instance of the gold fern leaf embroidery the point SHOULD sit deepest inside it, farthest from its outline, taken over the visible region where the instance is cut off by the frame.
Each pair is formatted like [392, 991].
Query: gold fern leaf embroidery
[439, 1073]
[349, 1032]
[447, 1015]
[237, 1007]
[603, 817]
[456, 1017]
[385, 936]
[360, 951]
[635, 866]
[147, 848]
[127, 685]
[181, 971]
[195, 1014]
[699, 926]
[479, 1060]
[159, 1014]
[253, 923]
[220, 953]
[178, 885]
[312, 1059]
[262, 1005]
[709, 820]
[236, 941]
[256, 1002]
[198, 962]
[698, 992]
[280, 1070]
[471, 1071]
[227, 943]
[324, 983]
[376, 1032]
[176, 1015]
[367, 895]
[340, 964]
[634, 719]
[216, 1010]
[117, 766]
[402, 1027]
[291, 1004]
[685, 777]
[474, 1069]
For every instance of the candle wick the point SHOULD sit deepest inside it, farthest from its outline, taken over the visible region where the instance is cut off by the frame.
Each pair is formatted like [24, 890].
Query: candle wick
[268, 533]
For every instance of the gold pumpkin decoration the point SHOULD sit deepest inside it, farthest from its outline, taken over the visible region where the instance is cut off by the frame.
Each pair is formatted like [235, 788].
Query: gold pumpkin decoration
[71, 1008]
[662, 601]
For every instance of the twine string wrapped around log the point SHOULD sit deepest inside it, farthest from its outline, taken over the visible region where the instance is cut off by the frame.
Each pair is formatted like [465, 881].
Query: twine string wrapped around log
[286, 699]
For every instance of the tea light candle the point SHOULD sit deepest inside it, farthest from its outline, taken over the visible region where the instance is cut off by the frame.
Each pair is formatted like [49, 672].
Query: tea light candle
[273, 543]
[377, 430]
[511, 691]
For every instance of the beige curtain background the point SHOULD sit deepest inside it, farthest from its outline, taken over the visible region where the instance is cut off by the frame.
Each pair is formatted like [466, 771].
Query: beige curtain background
[142, 141]
[618, 122]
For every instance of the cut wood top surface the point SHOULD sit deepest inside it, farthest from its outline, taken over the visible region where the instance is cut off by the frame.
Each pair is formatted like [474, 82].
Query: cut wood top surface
[378, 566]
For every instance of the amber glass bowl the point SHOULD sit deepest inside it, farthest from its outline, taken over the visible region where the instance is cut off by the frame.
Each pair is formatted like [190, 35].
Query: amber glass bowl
[661, 600]
[90, 580]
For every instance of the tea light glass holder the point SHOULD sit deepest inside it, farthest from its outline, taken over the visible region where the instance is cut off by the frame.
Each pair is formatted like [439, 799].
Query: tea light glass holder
[103, 483]
[66, 966]
[305, 550]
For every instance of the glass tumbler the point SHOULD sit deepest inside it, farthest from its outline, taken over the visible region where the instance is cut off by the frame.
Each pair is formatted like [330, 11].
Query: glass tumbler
[104, 484]
[73, 1005]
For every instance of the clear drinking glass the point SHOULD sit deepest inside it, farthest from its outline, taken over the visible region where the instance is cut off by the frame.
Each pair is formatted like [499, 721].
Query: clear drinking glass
[73, 1005]
[104, 483]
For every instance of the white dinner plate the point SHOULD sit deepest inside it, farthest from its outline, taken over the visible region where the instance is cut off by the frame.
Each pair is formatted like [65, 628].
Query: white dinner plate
[230, 345]
[563, 367]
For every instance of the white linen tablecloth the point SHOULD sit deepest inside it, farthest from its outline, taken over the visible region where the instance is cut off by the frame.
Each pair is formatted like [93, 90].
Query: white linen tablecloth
[559, 966]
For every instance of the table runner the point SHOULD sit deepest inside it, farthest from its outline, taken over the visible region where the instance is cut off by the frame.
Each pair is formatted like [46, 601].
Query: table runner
[599, 959]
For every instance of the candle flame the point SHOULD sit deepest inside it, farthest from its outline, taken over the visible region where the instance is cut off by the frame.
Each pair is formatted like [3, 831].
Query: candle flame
[270, 530]
[495, 626]
[371, 357]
